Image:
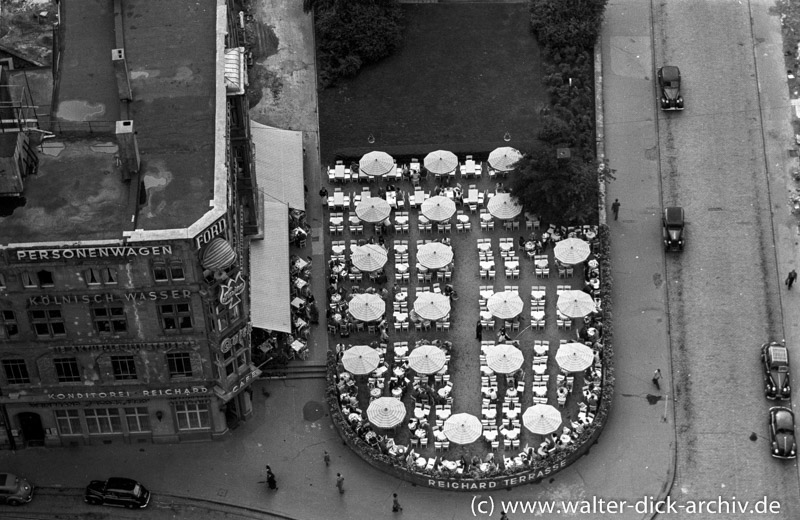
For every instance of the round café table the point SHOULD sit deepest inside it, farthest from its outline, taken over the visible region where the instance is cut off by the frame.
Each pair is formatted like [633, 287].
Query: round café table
[486, 217]
[463, 218]
[401, 296]
[401, 268]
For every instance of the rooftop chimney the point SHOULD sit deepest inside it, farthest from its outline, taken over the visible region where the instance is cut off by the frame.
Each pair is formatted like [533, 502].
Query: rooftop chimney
[128, 149]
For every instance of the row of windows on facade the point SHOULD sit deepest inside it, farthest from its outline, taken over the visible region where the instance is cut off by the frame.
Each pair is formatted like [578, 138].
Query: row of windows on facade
[162, 272]
[95, 421]
[123, 367]
[110, 318]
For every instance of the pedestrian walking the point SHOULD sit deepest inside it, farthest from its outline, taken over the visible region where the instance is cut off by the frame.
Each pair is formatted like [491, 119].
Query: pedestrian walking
[479, 330]
[340, 483]
[396, 507]
[656, 377]
[323, 192]
[791, 278]
[327, 459]
[503, 516]
[271, 482]
[615, 208]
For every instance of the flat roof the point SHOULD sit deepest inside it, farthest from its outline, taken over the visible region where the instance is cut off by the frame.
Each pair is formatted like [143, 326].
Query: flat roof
[79, 193]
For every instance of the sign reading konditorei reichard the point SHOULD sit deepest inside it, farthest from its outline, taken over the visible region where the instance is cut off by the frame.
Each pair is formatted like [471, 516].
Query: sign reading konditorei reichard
[77, 253]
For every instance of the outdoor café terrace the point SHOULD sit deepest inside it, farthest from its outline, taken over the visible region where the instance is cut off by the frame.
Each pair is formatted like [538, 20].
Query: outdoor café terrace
[469, 336]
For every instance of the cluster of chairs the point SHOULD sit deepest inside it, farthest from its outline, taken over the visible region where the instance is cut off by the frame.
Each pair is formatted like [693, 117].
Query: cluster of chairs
[538, 299]
[541, 272]
[487, 220]
[462, 226]
[482, 302]
[540, 375]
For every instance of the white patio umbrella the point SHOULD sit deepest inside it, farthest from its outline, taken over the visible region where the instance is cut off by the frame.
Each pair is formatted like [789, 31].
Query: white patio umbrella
[504, 358]
[542, 419]
[366, 307]
[574, 357]
[432, 306]
[369, 257]
[434, 255]
[572, 251]
[438, 208]
[504, 305]
[440, 161]
[575, 304]
[360, 359]
[386, 412]
[373, 209]
[462, 428]
[504, 158]
[376, 163]
[427, 359]
[504, 206]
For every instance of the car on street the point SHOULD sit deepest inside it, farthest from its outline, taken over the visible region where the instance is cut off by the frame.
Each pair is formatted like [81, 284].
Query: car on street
[781, 433]
[117, 491]
[15, 490]
[775, 359]
[672, 229]
[669, 85]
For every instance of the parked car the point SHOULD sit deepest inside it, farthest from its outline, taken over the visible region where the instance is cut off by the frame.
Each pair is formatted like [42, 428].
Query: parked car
[781, 433]
[672, 229]
[117, 491]
[669, 83]
[15, 490]
[775, 358]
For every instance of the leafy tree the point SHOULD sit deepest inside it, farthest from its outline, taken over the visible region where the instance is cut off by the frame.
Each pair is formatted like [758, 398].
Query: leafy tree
[563, 191]
[354, 33]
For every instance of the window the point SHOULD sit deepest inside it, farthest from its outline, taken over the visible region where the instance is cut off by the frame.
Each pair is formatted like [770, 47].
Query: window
[67, 370]
[180, 365]
[68, 421]
[101, 276]
[103, 420]
[48, 323]
[171, 271]
[109, 319]
[175, 316]
[225, 315]
[234, 359]
[33, 280]
[124, 367]
[138, 420]
[192, 416]
[16, 371]
[8, 324]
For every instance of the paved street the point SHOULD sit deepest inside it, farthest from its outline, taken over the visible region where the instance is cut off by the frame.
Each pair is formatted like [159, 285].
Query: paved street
[717, 159]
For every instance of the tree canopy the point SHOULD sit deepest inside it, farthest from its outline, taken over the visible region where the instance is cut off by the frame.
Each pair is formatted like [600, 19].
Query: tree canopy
[563, 191]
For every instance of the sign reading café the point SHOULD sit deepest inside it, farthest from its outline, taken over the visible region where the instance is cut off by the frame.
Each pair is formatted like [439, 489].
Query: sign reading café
[77, 253]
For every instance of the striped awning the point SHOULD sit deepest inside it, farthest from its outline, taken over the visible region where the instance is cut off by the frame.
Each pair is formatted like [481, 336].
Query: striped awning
[279, 164]
[218, 255]
[269, 272]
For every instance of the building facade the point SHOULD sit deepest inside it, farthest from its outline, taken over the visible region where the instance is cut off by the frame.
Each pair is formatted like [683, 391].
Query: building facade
[124, 273]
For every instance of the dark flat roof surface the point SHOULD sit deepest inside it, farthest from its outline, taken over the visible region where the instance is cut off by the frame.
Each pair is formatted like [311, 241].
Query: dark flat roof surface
[79, 193]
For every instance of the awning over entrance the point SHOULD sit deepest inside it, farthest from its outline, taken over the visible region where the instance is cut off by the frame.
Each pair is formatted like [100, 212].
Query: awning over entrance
[235, 73]
[269, 271]
[279, 164]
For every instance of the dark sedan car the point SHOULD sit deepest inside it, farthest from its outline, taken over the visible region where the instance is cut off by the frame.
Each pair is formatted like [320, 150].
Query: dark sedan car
[775, 359]
[14, 490]
[121, 492]
[781, 433]
[669, 84]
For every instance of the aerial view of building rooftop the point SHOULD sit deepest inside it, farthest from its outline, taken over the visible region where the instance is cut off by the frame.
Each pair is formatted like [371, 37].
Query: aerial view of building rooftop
[137, 111]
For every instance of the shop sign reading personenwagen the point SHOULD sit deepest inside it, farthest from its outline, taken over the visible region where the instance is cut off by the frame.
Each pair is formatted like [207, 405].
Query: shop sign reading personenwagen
[73, 253]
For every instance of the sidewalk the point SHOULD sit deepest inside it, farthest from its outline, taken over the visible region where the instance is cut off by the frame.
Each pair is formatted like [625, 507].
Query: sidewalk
[290, 429]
